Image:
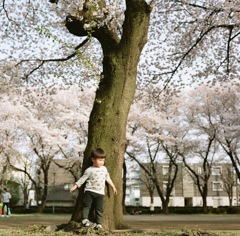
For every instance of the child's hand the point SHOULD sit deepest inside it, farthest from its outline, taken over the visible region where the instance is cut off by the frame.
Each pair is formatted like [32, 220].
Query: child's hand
[114, 190]
[73, 188]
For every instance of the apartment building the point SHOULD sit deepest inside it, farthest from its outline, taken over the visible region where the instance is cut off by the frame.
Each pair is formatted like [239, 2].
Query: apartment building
[60, 180]
[185, 192]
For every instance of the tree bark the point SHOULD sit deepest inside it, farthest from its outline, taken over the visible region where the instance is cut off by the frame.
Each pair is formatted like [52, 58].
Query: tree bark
[107, 124]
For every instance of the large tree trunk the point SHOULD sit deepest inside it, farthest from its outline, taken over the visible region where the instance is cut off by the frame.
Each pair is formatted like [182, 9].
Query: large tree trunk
[107, 124]
[205, 207]
[165, 208]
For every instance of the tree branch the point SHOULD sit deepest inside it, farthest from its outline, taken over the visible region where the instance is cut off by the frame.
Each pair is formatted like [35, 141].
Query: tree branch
[205, 8]
[4, 9]
[198, 40]
[228, 50]
[42, 62]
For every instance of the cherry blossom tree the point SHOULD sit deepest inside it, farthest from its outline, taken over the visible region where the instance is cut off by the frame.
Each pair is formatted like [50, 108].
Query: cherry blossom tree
[121, 45]
[45, 124]
[121, 31]
[107, 124]
[217, 110]
[190, 127]
[212, 117]
[228, 108]
[154, 140]
[229, 181]
[193, 42]
[200, 114]
[11, 115]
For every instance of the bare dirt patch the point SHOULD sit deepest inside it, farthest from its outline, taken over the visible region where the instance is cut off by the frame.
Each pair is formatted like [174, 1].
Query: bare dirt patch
[139, 222]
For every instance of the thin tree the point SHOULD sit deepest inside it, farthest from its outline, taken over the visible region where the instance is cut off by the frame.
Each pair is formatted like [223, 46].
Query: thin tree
[229, 181]
[228, 131]
[201, 142]
[151, 169]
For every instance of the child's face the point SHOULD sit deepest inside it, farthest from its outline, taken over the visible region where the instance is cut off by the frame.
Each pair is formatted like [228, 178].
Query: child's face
[98, 162]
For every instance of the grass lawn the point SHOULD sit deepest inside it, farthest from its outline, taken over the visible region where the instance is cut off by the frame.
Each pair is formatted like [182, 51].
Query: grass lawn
[45, 224]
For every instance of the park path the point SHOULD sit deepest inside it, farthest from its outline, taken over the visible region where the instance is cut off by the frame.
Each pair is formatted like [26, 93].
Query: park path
[138, 222]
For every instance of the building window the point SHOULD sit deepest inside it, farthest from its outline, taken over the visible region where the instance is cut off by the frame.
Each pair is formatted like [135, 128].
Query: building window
[216, 170]
[199, 170]
[217, 186]
[165, 170]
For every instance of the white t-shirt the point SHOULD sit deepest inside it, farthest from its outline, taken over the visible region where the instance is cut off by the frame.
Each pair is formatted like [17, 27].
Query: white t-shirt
[6, 197]
[95, 178]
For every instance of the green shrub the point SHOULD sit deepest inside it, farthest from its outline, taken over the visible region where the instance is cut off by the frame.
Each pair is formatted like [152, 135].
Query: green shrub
[233, 210]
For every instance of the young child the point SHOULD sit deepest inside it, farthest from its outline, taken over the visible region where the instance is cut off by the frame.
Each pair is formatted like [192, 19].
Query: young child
[95, 177]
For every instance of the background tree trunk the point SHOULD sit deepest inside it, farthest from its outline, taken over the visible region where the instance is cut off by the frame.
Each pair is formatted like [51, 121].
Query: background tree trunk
[124, 186]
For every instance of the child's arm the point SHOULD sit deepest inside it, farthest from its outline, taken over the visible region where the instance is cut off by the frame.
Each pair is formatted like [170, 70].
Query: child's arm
[73, 188]
[109, 181]
[80, 181]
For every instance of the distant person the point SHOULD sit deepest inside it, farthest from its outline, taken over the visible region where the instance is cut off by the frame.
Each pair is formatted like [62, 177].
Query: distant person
[26, 209]
[152, 208]
[6, 196]
[95, 177]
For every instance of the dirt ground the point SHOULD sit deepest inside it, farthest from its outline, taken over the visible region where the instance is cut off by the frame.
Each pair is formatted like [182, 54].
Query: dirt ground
[138, 222]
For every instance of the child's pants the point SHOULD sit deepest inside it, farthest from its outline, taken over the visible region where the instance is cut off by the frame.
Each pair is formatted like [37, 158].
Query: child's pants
[95, 200]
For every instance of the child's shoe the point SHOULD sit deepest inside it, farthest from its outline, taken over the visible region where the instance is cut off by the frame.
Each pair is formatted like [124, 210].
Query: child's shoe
[98, 226]
[87, 223]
